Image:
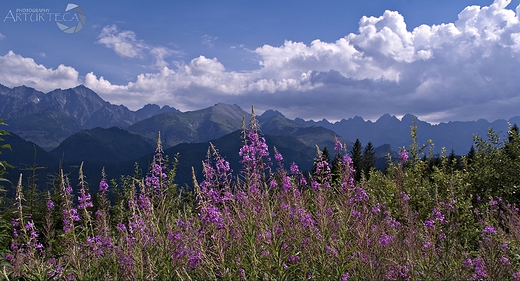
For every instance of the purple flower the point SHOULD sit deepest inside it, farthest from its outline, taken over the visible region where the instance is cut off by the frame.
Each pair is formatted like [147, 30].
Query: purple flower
[338, 146]
[385, 239]
[194, 260]
[84, 200]
[103, 186]
[69, 217]
[50, 205]
[294, 169]
[286, 184]
[293, 259]
[29, 225]
[480, 271]
[121, 227]
[211, 214]
[345, 276]
[438, 215]
[315, 185]
[403, 156]
[488, 230]
[504, 260]
[428, 223]
[278, 157]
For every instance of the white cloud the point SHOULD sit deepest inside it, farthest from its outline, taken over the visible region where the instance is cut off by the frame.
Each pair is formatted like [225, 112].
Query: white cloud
[464, 70]
[2, 36]
[16, 70]
[124, 43]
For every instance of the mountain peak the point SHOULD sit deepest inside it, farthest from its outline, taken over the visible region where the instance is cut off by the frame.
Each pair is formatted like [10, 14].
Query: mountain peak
[387, 118]
[271, 113]
[407, 118]
[229, 110]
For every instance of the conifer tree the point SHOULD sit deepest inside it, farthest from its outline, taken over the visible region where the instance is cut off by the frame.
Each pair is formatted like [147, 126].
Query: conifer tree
[357, 159]
[369, 159]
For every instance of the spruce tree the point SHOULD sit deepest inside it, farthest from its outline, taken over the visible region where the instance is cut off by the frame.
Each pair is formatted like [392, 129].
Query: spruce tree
[369, 159]
[357, 159]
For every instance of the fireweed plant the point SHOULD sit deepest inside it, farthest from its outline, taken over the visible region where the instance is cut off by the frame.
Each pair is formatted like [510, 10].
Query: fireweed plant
[413, 222]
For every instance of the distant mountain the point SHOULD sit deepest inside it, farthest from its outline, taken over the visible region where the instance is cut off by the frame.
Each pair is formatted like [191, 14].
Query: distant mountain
[47, 128]
[47, 119]
[192, 126]
[276, 124]
[113, 145]
[390, 130]
[150, 110]
[25, 157]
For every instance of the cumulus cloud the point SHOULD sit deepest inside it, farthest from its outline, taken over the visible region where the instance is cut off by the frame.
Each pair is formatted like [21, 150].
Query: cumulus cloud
[16, 70]
[463, 70]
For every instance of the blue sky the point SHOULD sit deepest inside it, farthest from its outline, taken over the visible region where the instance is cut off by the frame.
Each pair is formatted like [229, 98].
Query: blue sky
[440, 60]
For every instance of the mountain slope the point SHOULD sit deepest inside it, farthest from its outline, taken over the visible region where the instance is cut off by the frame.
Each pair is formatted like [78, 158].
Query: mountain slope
[274, 123]
[24, 156]
[192, 126]
[47, 128]
[111, 145]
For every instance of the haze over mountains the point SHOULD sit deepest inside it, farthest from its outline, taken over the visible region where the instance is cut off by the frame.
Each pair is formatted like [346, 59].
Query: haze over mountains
[76, 125]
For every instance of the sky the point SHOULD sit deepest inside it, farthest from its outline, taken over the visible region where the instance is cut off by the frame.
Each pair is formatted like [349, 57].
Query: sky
[440, 60]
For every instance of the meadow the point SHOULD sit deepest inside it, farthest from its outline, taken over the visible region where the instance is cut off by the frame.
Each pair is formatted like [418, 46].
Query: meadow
[449, 219]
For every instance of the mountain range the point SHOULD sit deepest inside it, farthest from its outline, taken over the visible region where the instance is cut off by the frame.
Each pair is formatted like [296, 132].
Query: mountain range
[75, 125]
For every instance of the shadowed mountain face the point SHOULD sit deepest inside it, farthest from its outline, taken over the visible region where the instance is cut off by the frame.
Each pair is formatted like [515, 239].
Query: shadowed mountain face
[111, 145]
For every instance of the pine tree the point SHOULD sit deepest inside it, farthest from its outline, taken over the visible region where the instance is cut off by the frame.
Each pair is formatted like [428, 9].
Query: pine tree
[369, 159]
[326, 155]
[357, 159]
